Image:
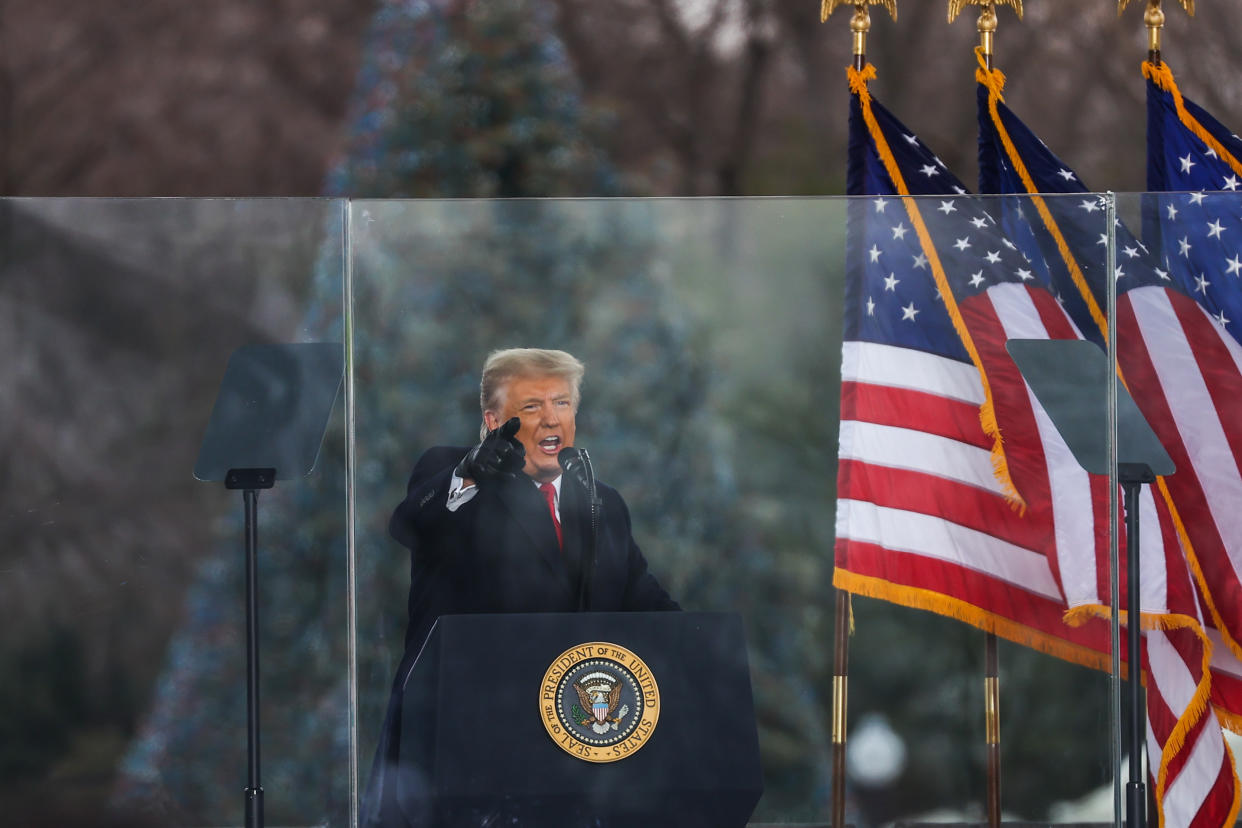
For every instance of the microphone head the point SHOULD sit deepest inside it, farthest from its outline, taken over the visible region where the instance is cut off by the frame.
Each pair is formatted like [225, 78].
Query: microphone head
[569, 458]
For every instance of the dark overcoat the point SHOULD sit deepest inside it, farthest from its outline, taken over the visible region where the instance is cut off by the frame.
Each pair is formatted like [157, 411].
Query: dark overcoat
[498, 553]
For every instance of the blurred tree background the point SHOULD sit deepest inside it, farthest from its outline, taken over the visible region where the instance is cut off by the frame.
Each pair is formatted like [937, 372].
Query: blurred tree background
[695, 97]
[118, 660]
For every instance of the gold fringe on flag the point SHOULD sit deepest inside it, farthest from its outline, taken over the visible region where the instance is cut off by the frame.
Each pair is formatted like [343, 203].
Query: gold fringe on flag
[1162, 77]
[941, 604]
[1200, 702]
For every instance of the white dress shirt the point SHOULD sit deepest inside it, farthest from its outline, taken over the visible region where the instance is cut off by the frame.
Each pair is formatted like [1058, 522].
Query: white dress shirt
[460, 493]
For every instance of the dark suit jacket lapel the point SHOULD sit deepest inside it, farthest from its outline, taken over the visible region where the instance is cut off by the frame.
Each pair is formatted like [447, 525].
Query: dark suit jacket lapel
[529, 510]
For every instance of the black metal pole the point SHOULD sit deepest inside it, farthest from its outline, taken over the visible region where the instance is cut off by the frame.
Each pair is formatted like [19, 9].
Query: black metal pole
[1132, 480]
[254, 792]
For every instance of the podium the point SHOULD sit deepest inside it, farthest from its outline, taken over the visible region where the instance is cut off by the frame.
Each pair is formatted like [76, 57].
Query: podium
[488, 708]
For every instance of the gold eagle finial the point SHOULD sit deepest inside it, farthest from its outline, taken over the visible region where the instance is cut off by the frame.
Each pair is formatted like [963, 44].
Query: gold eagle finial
[827, 7]
[956, 6]
[987, 21]
[1188, 5]
[860, 23]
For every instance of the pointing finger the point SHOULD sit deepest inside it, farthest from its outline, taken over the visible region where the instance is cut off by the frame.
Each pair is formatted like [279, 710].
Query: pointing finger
[510, 428]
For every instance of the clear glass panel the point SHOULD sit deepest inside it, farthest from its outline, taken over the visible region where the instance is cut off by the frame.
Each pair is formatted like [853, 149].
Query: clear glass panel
[123, 653]
[713, 337]
[1178, 311]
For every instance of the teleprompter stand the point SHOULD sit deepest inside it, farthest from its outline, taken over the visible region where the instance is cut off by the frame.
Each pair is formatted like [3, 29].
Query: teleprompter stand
[1066, 375]
[267, 424]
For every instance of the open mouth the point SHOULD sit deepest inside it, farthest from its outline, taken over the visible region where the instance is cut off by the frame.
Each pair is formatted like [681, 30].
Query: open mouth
[550, 445]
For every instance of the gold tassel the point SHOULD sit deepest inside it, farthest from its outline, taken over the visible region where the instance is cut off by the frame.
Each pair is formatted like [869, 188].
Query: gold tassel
[1008, 629]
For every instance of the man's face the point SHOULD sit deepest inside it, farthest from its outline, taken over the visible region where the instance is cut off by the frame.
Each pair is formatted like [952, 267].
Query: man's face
[546, 407]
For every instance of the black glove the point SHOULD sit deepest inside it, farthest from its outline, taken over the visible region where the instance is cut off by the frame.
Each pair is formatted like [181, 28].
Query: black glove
[499, 454]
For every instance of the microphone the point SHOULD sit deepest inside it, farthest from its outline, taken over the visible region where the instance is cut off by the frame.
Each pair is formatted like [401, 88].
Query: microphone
[576, 463]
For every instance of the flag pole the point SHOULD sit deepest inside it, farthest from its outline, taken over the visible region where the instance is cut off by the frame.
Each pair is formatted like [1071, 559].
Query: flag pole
[986, 26]
[987, 33]
[1154, 18]
[860, 25]
[840, 704]
[991, 706]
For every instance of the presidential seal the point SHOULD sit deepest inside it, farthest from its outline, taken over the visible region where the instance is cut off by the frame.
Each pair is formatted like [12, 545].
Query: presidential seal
[599, 702]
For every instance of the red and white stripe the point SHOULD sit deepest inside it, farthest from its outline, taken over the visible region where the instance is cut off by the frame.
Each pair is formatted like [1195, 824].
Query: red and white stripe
[919, 505]
[1186, 374]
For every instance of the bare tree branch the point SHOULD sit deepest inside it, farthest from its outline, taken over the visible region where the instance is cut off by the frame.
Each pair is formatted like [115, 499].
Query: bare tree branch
[745, 126]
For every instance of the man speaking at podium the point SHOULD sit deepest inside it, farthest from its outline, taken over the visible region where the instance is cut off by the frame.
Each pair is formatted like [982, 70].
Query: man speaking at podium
[510, 525]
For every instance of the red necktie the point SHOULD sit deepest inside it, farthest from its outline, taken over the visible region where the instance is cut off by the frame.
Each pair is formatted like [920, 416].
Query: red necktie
[549, 494]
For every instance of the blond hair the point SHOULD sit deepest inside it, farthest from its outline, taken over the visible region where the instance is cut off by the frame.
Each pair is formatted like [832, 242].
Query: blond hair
[503, 366]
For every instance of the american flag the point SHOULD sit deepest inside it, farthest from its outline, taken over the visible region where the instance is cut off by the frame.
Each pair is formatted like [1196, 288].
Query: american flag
[1193, 773]
[955, 493]
[1197, 227]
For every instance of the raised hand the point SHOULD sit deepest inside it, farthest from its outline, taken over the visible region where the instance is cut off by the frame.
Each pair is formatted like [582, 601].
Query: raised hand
[499, 454]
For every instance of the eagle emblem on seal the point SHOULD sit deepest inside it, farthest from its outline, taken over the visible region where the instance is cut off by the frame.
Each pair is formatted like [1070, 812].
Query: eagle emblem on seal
[599, 694]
